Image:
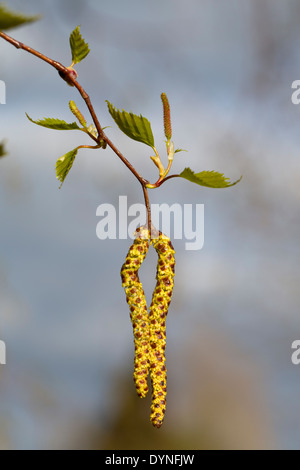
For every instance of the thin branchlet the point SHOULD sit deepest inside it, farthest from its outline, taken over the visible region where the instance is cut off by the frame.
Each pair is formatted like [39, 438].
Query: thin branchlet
[67, 73]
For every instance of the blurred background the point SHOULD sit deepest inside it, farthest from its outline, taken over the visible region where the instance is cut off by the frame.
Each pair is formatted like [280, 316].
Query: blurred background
[227, 68]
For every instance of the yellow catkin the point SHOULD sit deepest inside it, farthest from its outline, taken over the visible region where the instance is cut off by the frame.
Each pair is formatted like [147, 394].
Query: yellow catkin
[157, 318]
[77, 113]
[138, 308]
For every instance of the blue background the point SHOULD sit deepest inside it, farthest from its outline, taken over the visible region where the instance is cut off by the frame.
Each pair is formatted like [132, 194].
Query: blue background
[227, 68]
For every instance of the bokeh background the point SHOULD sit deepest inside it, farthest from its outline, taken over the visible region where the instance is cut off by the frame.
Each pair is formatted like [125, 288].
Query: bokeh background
[227, 68]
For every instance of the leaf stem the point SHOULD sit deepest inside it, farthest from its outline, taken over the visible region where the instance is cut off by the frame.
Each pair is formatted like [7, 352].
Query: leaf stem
[89, 146]
[160, 181]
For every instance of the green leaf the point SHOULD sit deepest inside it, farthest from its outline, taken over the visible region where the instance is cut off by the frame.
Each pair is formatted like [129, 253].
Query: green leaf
[64, 165]
[180, 150]
[210, 179]
[79, 47]
[2, 149]
[10, 19]
[57, 124]
[136, 127]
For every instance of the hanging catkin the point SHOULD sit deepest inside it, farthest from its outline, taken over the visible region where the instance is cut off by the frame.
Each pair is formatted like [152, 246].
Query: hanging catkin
[157, 318]
[138, 308]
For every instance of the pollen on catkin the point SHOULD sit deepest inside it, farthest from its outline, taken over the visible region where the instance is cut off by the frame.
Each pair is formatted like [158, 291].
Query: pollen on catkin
[136, 300]
[157, 318]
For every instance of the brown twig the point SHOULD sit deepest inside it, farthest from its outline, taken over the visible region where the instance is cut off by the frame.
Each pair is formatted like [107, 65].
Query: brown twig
[68, 75]
[159, 182]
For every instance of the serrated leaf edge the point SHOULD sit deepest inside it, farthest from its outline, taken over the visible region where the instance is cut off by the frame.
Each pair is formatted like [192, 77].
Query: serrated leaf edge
[211, 173]
[43, 122]
[61, 164]
[79, 47]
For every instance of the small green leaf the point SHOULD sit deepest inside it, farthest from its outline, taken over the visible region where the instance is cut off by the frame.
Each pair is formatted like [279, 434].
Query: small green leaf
[79, 47]
[210, 179]
[2, 149]
[57, 124]
[136, 127]
[180, 150]
[10, 19]
[64, 165]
